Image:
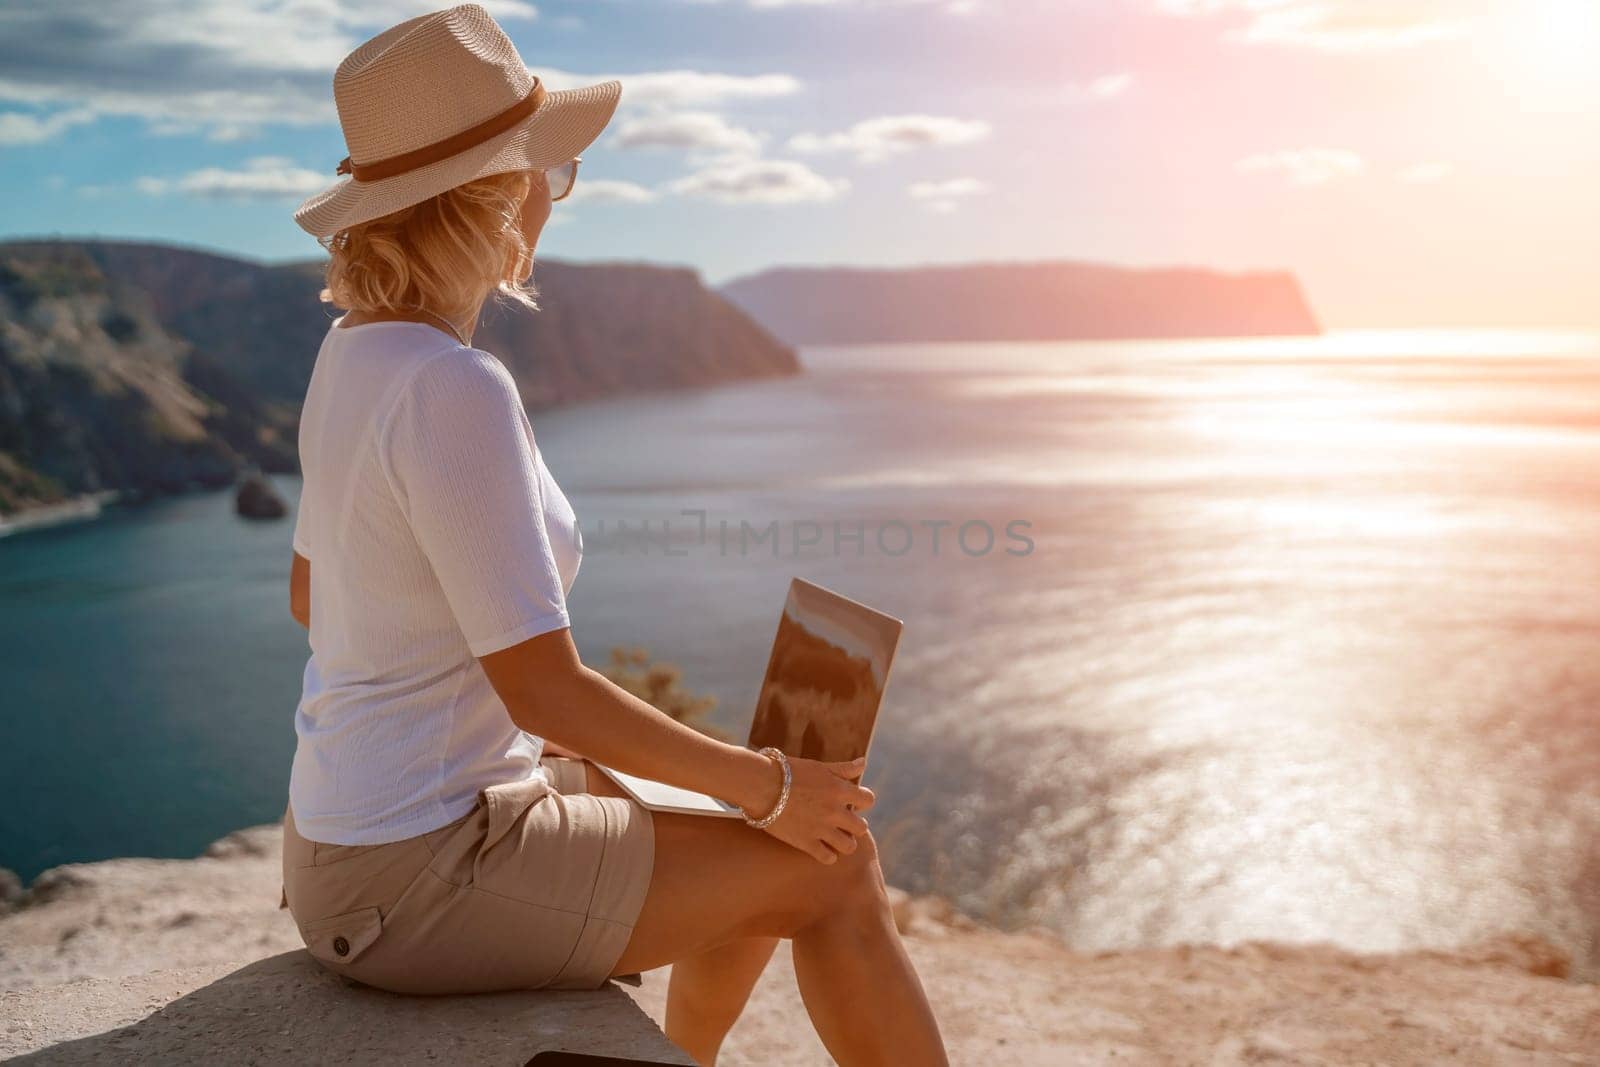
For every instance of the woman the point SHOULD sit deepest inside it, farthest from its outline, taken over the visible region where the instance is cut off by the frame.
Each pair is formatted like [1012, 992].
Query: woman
[434, 842]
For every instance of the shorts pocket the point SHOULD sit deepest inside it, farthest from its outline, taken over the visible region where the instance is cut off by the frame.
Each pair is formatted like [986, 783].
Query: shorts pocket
[566, 775]
[324, 853]
[339, 939]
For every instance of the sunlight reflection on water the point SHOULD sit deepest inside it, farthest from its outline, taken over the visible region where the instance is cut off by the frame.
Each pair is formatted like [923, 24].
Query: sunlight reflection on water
[1308, 646]
[1309, 649]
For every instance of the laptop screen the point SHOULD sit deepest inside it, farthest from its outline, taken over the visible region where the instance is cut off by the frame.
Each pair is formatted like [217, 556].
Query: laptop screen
[826, 677]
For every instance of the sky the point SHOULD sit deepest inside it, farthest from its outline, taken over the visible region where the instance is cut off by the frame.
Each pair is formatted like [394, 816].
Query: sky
[1428, 163]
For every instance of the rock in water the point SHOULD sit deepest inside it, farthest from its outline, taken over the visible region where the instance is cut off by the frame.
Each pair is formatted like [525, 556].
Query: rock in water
[256, 499]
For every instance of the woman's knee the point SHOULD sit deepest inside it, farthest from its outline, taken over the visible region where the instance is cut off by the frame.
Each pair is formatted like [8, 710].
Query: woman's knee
[850, 886]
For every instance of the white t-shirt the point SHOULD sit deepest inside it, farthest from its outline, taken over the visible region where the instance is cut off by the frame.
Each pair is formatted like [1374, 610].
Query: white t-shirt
[436, 534]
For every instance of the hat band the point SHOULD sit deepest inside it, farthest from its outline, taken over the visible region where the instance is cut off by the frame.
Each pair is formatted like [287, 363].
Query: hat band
[452, 145]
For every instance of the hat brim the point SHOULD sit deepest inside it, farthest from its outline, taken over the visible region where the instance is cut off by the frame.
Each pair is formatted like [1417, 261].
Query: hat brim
[566, 123]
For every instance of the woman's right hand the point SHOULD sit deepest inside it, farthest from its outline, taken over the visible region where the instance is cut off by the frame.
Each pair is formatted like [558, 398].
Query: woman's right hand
[822, 817]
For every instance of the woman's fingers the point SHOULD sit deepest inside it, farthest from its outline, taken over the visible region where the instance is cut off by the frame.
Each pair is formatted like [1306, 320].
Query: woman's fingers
[836, 843]
[858, 797]
[822, 853]
[848, 769]
[841, 841]
[823, 818]
[850, 792]
[852, 823]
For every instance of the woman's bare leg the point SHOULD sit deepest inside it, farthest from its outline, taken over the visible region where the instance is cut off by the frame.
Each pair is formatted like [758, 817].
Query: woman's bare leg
[717, 881]
[709, 989]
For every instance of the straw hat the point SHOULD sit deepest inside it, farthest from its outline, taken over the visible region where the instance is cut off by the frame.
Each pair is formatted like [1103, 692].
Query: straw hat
[437, 101]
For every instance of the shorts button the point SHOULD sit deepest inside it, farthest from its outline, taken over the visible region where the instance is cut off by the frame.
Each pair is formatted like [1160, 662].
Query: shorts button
[341, 946]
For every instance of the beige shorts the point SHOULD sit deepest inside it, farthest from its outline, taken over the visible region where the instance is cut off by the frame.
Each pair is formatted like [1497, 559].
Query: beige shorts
[536, 887]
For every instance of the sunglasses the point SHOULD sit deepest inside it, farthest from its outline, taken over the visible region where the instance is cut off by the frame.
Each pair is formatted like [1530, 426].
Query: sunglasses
[562, 178]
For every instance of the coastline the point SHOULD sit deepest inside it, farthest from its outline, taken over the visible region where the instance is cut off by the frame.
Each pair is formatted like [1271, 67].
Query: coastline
[182, 960]
[79, 508]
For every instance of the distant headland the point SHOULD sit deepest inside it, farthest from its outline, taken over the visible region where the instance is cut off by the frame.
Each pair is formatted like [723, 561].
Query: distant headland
[130, 369]
[1048, 301]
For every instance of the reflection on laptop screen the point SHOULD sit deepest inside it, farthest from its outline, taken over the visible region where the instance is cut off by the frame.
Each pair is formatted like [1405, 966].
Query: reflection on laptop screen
[825, 680]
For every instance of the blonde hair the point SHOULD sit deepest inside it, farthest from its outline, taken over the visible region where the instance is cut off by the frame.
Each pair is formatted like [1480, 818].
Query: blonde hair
[446, 254]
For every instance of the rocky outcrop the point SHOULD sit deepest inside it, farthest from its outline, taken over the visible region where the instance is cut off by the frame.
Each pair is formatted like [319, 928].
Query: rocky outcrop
[610, 328]
[1019, 302]
[145, 369]
[255, 498]
[95, 390]
[191, 961]
[285, 1009]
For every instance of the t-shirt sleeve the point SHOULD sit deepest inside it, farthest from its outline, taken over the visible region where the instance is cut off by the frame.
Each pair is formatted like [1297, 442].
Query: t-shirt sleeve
[459, 454]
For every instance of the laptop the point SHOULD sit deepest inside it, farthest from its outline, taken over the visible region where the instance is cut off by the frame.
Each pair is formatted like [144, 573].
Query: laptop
[820, 698]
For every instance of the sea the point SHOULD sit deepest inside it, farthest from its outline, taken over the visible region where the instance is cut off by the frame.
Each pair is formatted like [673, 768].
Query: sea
[1205, 641]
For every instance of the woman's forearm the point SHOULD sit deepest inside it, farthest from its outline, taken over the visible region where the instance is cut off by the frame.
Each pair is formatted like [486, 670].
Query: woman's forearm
[588, 713]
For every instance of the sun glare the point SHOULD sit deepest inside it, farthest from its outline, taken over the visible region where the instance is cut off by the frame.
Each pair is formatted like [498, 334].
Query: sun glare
[1564, 35]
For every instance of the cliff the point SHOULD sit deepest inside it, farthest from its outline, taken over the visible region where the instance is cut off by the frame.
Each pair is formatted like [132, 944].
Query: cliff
[1019, 302]
[147, 368]
[191, 961]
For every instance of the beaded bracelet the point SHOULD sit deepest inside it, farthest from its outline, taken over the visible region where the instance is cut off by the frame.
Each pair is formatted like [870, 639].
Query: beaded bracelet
[783, 794]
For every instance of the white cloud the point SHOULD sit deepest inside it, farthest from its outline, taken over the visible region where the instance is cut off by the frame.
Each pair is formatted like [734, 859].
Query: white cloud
[690, 130]
[1108, 86]
[502, 10]
[950, 187]
[184, 65]
[759, 181]
[18, 127]
[943, 197]
[1425, 173]
[611, 191]
[1305, 166]
[953, 7]
[680, 88]
[263, 178]
[1099, 90]
[226, 69]
[1333, 25]
[876, 139]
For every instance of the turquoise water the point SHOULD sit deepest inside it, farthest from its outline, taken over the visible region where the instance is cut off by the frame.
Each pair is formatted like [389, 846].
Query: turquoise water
[148, 659]
[1302, 646]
